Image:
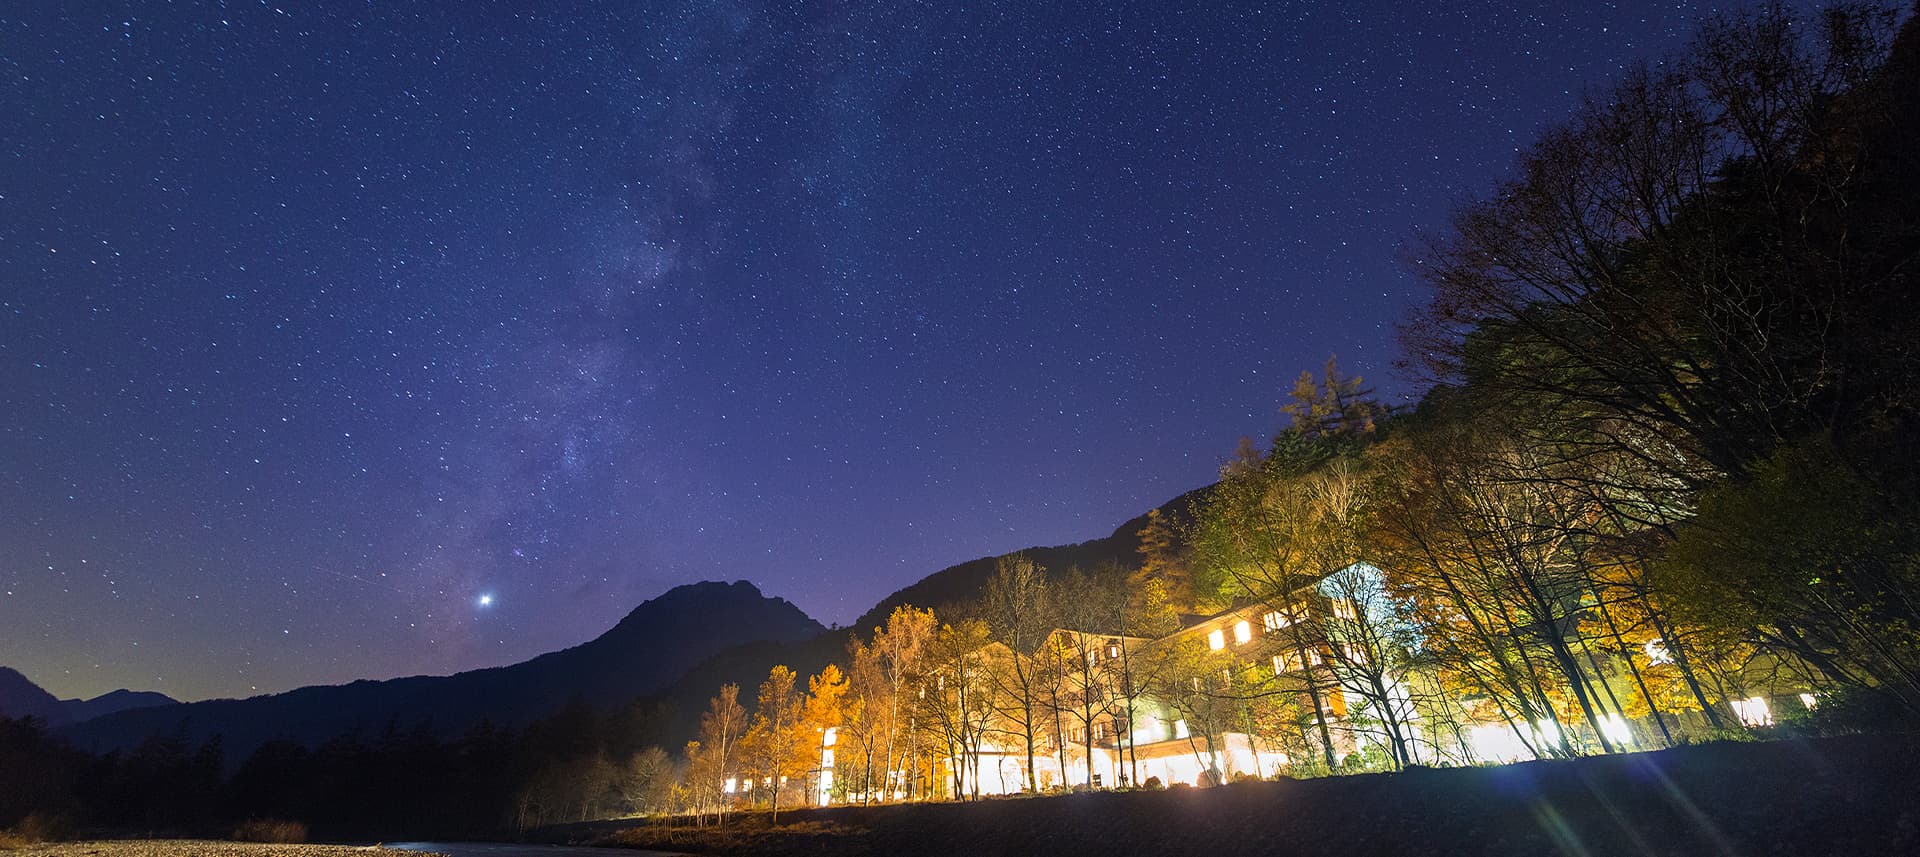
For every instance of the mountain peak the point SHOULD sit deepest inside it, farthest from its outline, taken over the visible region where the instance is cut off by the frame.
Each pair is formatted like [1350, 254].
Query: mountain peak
[691, 607]
[656, 644]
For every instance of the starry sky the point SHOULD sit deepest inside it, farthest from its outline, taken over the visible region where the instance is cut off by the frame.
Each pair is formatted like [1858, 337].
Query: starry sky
[345, 340]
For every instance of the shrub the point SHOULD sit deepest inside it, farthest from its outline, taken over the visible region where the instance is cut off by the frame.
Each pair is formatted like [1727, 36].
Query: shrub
[37, 827]
[271, 830]
[1155, 784]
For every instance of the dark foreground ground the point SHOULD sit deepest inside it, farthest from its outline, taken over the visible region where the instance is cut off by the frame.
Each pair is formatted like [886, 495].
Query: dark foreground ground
[1838, 796]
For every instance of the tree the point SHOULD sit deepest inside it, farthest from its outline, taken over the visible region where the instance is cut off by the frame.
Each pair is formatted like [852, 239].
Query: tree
[955, 698]
[775, 742]
[1163, 560]
[716, 754]
[1706, 271]
[826, 712]
[1019, 612]
[1200, 687]
[645, 782]
[900, 653]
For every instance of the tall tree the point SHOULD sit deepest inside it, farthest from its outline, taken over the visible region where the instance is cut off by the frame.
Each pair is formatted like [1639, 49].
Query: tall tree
[779, 749]
[1019, 610]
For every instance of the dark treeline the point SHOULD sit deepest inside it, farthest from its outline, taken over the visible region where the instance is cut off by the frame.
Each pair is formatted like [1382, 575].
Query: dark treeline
[399, 782]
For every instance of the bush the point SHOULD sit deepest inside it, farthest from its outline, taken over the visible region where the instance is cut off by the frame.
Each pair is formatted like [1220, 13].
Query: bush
[1849, 711]
[1155, 784]
[41, 826]
[271, 830]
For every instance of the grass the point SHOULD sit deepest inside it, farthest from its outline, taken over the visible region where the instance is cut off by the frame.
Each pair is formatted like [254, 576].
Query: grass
[1849, 795]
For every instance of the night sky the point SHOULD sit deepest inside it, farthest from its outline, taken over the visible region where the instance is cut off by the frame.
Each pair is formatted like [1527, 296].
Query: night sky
[360, 340]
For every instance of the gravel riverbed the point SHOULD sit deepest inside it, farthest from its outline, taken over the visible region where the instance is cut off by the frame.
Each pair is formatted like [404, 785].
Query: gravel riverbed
[201, 848]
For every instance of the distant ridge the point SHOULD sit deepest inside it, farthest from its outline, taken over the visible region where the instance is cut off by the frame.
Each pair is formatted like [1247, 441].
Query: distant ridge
[82, 710]
[654, 645]
[678, 648]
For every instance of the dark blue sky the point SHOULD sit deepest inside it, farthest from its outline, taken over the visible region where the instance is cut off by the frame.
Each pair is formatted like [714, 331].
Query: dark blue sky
[318, 322]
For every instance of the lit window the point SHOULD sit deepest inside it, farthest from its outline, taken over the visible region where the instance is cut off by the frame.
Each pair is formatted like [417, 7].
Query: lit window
[1113, 651]
[826, 758]
[1753, 711]
[1226, 678]
[1344, 609]
[1313, 657]
[1355, 654]
[1217, 639]
[1279, 665]
[1242, 632]
[732, 784]
[1274, 620]
[1809, 702]
[831, 737]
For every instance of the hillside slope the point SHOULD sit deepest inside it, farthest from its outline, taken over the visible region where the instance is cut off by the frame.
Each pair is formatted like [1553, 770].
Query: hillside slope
[964, 582]
[20, 697]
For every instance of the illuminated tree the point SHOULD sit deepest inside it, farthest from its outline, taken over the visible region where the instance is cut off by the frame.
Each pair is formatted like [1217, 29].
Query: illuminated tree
[824, 711]
[778, 742]
[955, 698]
[1708, 271]
[1019, 611]
[900, 652]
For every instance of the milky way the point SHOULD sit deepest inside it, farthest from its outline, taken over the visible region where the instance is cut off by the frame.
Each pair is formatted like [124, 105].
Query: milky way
[320, 324]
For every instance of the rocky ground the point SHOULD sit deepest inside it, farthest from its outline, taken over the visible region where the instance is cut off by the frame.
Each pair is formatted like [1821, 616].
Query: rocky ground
[200, 848]
[1854, 796]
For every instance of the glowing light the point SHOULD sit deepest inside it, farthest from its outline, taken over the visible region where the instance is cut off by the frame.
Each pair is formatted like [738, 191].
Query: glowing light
[1496, 742]
[1548, 732]
[1242, 632]
[485, 600]
[1615, 728]
[1809, 702]
[1217, 639]
[1753, 711]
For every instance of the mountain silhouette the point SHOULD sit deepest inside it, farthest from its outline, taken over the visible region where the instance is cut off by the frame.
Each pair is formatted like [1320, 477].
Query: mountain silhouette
[678, 649]
[957, 584]
[20, 697]
[654, 645]
[82, 710]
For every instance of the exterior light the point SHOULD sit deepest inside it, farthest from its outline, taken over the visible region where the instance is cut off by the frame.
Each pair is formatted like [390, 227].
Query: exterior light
[1615, 728]
[1753, 711]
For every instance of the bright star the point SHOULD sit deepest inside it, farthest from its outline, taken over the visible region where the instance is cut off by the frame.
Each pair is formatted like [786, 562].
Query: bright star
[486, 600]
